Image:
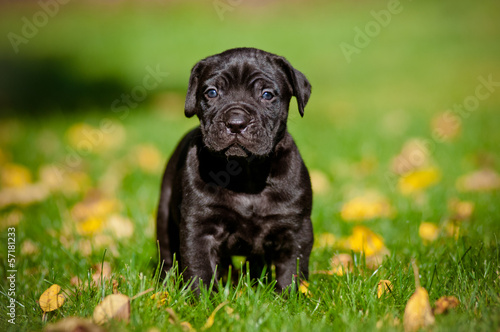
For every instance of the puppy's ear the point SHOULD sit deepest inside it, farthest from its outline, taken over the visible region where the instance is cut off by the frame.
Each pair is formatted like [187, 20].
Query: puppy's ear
[191, 105]
[300, 85]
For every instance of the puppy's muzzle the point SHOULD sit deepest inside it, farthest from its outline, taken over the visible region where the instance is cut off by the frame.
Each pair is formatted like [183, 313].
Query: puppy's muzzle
[236, 121]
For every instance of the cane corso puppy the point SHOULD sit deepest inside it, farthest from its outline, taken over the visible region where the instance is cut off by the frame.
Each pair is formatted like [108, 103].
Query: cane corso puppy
[237, 185]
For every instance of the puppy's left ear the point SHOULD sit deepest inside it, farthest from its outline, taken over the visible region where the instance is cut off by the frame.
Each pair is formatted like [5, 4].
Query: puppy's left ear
[191, 105]
[301, 88]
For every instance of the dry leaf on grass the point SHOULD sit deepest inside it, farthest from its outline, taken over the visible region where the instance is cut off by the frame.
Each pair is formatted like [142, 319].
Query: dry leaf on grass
[481, 180]
[428, 231]
[148, 158]
[366, 241]
[418, 180]
[25, 195]
[211, 319]
[414, 155]
[460, 210]
[114, 306]
[325, 240]
[51, 299]
[74, 324]
[367, 206]
[319, 181]
[304, 288]
[444, 303]
[446, 126]
[341, 264]
[14, 176]
[418, 312]
[383, 287]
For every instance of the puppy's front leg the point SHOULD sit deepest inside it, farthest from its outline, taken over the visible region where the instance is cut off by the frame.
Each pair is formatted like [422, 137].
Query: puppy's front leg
[200, 256]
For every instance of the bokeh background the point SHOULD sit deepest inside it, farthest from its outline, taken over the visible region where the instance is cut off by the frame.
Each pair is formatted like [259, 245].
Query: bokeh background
[400, 123]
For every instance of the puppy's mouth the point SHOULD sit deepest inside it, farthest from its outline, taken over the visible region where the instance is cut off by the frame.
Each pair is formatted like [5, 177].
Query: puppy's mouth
[236, 150]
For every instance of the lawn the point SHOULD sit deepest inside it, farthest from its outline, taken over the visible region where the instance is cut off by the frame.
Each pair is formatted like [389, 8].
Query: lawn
[400, 137]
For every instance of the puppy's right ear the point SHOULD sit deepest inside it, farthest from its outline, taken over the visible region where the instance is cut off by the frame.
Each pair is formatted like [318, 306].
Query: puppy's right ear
[191, 105]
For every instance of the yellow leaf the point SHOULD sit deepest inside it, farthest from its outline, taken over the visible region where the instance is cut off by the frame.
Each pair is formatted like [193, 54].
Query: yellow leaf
[341, 264]
[366, 241]
[444, 303]
[446, 126]
[161, 296]
[74, 324]
[14, 176]
[383, 287]
[28, 194]
[418, 180]
[90, 226]
[319, 181]
[481, 180]
[114, 306]
[460, 210]
[148, 158]
[414, 155]
[304, 288]
[325, 240]
[119, 226]
[366, 207]
[51, 299]
[211, 319]
[418, 312]
[428, 231]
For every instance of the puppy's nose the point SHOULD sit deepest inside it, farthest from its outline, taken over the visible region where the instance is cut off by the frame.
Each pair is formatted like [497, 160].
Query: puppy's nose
[237, 121]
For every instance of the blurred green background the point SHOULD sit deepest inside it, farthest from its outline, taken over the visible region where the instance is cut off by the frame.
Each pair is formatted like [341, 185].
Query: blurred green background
[64, 64]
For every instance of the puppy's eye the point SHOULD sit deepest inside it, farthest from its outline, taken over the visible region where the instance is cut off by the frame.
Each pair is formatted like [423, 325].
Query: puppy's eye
[267, 95]
[211, 93]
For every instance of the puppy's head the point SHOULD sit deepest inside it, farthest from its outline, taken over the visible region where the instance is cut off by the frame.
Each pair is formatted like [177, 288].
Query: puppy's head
[241, 97]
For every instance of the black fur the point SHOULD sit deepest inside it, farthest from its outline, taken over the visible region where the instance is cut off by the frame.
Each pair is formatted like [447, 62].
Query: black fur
[237, 185]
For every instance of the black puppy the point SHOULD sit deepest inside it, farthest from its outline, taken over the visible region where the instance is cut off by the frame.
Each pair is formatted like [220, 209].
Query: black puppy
[237, 184]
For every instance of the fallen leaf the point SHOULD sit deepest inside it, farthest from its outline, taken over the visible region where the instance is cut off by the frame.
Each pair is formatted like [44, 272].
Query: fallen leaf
[211, 319]
[418, 312]
[147, 158]
[325, 240]
[119, 226]
[383, 287]
[365, 207]
[90, 226]
[319, 181]
[304, 288]
[485, 179]
[428, 231]
[446, 126]
[102, 272]
[418, 180]
[74, 324]
[413, 156]
[94, 205]
[114, 306]
[161, 297]
[25, 195]
[51, 300]
[444, 303]
[89, 139]
[29, 248]
[14, 175]
[341, 264]
[460, 210]
[59, 179]
[366, 241]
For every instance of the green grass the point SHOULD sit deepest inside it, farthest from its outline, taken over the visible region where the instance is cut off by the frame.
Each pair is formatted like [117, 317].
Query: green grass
[428, 59]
